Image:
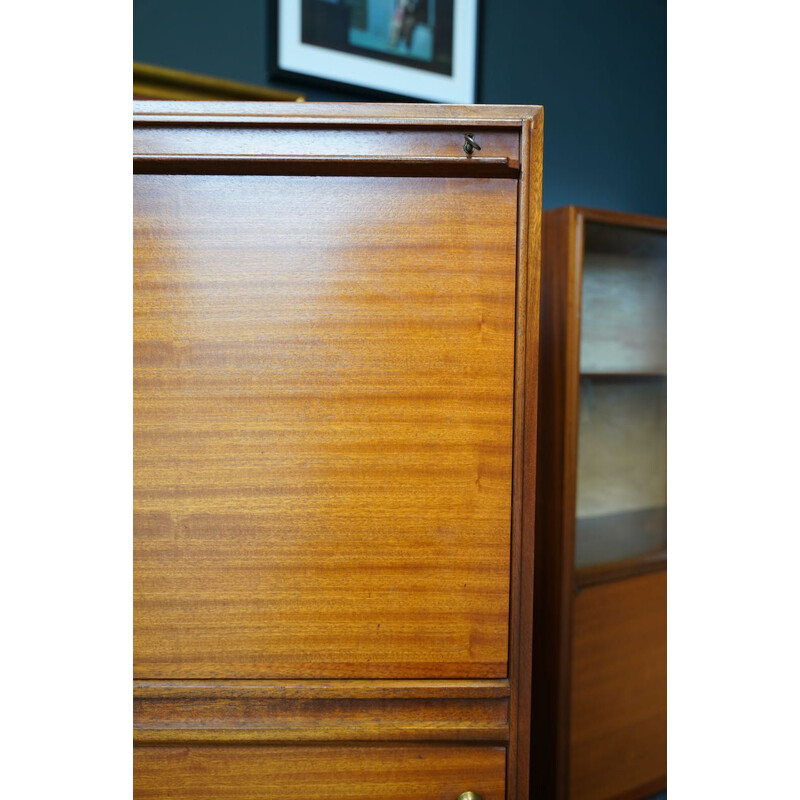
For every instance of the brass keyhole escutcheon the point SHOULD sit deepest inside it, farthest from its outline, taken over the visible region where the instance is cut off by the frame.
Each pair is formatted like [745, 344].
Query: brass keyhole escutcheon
[470, 146]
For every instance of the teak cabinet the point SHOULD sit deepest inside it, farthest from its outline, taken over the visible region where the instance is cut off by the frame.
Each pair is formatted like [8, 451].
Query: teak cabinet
[599, 667]
[335, 374]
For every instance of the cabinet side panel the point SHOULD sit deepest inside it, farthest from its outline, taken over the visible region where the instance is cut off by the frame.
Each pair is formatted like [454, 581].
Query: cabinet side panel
[553, 563]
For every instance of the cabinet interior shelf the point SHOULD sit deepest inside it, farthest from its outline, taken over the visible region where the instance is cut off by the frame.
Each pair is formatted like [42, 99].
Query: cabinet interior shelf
[626, 374]
[609, 539]
[620, 570]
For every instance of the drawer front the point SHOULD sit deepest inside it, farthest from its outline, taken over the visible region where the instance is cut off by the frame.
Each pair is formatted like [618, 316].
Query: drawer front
[230, 772]
[323, 414]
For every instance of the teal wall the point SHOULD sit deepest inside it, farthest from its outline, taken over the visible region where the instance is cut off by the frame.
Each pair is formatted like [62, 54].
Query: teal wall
[599, 67]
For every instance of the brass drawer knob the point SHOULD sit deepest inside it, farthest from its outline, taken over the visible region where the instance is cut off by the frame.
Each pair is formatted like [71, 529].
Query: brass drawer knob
[469, 796]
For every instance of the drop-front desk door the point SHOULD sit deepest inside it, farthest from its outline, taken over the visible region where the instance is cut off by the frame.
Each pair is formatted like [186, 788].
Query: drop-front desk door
[335, 358]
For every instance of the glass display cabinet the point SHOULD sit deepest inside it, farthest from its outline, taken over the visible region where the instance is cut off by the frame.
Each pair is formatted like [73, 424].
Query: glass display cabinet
[599, 677]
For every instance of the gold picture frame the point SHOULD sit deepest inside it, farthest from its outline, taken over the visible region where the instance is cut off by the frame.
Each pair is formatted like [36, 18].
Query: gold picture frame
[159, 83]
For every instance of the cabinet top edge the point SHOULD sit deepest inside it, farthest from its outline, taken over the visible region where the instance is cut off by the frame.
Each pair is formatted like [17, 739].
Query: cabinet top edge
[321, 113]
[623, 219]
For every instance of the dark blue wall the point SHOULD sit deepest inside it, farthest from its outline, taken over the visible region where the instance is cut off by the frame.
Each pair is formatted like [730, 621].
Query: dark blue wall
[599, 67]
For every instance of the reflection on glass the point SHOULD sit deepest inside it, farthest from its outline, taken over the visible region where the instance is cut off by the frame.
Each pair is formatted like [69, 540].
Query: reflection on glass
[622, 433]
[622, 469]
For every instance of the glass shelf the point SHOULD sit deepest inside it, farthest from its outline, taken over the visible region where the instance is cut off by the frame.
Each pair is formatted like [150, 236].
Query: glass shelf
[619, 537]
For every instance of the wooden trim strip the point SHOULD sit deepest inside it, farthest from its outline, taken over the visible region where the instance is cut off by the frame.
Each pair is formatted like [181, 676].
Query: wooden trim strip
[317, 711]
[319, 732]
[526, 364]
[622, 219]
[234, 164]
[332, 689]
[259, 120]
[369, 114]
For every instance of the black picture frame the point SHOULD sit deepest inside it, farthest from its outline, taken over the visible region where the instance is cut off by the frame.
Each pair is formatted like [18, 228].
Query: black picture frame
[312, 76]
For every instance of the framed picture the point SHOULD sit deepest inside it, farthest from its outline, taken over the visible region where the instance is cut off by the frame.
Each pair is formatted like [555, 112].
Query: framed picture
[424, 49]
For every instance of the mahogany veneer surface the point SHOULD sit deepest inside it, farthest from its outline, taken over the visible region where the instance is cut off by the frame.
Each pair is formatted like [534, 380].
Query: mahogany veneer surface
[619, 687]
[335, 375]
[323, 425]
[424, 772]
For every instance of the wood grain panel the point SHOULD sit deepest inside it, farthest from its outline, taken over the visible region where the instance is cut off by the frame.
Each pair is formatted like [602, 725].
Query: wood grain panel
[619, 687]
[229, 772]
[323, 426]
